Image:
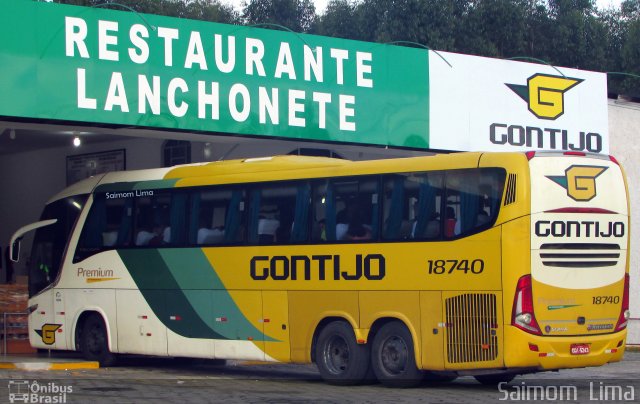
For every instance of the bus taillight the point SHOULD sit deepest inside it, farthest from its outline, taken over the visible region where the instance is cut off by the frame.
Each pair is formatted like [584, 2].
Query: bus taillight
[522, 315]
[614, 159]
[624, 310]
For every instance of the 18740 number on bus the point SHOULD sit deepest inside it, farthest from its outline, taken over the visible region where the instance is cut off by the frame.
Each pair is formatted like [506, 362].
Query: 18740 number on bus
[448, 267]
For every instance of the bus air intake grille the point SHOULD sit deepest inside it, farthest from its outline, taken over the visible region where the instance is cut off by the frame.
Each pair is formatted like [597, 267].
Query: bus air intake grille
[510, 195]
[579, 255]
[471, 328]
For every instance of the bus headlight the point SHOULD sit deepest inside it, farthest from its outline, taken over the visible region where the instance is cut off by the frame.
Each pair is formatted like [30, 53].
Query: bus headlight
[627, 314]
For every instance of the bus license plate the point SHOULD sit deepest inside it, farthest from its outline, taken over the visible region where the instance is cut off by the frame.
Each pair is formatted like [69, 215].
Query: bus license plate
[580, 349]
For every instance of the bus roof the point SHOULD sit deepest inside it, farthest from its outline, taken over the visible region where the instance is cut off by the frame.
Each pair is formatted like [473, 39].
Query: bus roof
[267, 168]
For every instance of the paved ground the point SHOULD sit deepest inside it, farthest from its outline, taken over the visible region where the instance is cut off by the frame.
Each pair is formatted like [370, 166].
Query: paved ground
[138, 380]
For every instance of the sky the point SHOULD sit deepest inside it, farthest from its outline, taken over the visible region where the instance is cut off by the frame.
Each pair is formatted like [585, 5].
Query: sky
[321, 5]
[607, 3]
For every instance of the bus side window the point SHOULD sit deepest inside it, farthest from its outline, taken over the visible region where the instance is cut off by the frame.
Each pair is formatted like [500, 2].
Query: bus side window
[152, 219]
[175, 234]
[353, 209]
[426, 209]
[318, 212]
[412, 206]
[278, 213]
[473, 199]
[108, 225]
[394, 206]
[263, 218]
[217, 216]
[300, 225]
[235, 221]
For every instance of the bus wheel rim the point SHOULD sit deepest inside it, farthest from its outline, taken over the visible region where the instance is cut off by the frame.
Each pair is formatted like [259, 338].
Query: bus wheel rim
[394, 355]
[336, 355]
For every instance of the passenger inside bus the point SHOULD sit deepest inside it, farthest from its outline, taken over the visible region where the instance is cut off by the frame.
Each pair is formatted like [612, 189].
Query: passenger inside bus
[210, 236]
[267, 227]
[432, 229]
[109, 238]
[357, 229]
[450, 222]
[483, 216]
[342, 225]
[283, 231]
[150, 237]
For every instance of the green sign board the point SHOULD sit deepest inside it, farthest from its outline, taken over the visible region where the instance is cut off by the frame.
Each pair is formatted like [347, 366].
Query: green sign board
[80, 64]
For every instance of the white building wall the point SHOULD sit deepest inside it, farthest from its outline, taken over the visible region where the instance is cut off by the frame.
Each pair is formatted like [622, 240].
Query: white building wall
[624, 134]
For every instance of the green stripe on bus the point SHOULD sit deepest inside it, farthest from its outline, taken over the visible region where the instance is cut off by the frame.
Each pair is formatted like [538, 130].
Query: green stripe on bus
[186, 294]
[163, 294]
[193, 272]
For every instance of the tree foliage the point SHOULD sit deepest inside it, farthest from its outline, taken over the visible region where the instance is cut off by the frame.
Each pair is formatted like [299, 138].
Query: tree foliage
[295, 15]
[207, 10]
[571, 33]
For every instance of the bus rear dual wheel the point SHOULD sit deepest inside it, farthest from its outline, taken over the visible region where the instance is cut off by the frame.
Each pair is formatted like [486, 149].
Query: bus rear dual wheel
[393, 357]
[389, 359]
[341, 361]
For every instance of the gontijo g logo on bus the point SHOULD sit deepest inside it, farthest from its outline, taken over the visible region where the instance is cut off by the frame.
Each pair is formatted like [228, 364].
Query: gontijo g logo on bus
[544, 94]
[48, 333]
[579, 181]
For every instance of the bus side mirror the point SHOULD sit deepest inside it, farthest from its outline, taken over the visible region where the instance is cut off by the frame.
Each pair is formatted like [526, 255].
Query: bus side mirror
[14, 254]
[14, 245]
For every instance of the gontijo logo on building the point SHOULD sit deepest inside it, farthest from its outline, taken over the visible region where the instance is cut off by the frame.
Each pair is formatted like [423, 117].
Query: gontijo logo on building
[544, 94]
[579, 181]
[545, 99]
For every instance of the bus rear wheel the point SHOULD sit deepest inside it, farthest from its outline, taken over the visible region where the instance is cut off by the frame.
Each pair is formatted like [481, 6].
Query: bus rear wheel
[339, 358]
[393, 357]
[94, 341]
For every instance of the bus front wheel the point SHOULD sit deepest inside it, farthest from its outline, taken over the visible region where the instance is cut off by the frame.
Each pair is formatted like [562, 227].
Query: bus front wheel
[94, 341]
[393, 357]
[340, 359]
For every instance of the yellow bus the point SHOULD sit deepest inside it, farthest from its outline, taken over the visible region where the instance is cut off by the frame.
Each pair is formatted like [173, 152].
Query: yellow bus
[482, 264]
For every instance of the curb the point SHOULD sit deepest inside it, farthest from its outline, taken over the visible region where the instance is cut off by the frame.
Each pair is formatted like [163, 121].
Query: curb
[48, 365]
